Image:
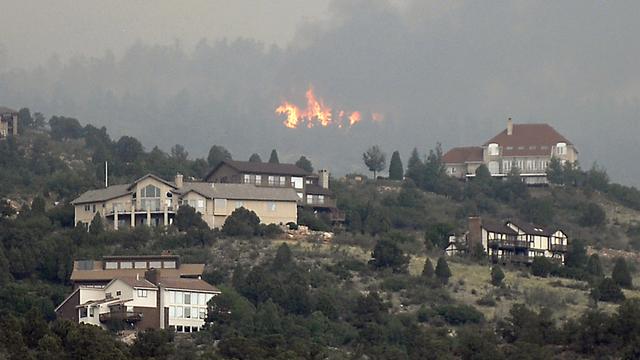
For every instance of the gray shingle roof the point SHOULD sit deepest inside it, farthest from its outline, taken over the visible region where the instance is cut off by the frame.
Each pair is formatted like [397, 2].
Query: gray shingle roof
[5, 110]
[261, 168]
[105, 194]
[239, 191]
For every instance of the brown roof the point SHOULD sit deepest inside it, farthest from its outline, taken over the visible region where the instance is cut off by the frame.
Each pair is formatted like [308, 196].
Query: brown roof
[497, 227]
[261, 168]
[461, 155]
[98, 273]
[528, 139]
[317, 190]
[138, 282]
[187, 284]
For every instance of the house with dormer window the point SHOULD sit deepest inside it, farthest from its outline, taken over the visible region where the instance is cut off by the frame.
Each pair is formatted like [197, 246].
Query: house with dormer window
[527, 147]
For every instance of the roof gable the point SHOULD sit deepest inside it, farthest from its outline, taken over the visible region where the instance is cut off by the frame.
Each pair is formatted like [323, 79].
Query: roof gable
[98, 195]
[529, 135]
[531, 229]
[155, 177]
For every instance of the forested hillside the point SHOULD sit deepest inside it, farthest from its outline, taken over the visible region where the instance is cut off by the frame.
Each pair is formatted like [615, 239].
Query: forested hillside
[380, 289]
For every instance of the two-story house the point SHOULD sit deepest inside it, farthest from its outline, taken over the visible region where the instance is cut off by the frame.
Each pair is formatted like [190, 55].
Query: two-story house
[153, 201]
[527, 147]
[137, 293]
[312, 189]
[517, 241]
[8, 122]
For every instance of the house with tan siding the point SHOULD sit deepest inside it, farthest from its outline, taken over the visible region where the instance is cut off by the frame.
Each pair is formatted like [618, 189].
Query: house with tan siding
[8, 122]
[153, 201]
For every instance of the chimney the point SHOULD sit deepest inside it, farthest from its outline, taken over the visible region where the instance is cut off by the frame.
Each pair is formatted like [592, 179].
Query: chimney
[324, 178]
[152, 275]
[475, 231]
[509, 127]
[179, 180]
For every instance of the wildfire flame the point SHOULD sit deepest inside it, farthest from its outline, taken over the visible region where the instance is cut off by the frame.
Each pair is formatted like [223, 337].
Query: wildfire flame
[317, 113]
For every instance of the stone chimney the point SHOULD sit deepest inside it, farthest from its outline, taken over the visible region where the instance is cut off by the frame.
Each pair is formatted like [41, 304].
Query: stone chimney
[509, 126]
[152, 275]
[475, 231]
[179, 181]
[324, 178]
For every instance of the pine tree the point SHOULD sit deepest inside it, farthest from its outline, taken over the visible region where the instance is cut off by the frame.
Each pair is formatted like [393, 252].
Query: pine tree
[96, 227]
[496, 275]
[374, 159]
[305, 164]
[555, 172]
[415, 168]
[396, 170]
[428, 271]
[442, 271]
[273, 159]
[621, 274]
[594, 267]
[217, 154]
[255, 158]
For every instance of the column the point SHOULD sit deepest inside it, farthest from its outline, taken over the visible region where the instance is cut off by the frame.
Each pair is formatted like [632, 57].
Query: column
[148, 216]
[133, 216]
[115, 219]
[166, 216]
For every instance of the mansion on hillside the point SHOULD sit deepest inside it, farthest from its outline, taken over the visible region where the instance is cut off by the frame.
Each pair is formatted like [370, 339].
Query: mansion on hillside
[511, 241]
[138, 293]
[8, 122]
[528, 147]
[153, 201]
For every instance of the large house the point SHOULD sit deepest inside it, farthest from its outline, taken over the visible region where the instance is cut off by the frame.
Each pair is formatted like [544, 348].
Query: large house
[153, 201]
[516, 241]
[312, 189]
[527, 147]
[137, 293]
[8, 122]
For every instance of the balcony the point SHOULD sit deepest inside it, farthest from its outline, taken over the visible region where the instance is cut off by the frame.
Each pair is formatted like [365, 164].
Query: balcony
[558, 248]
[125, 209]
[128, 316]
[326, 203]
[520, 259]
[508, 244]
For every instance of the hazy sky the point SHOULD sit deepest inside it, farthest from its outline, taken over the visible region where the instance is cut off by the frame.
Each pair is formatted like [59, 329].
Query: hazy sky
[439, 70]
[36, 29]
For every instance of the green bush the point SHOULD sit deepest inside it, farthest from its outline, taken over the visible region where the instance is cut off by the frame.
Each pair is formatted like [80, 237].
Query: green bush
[460, 314]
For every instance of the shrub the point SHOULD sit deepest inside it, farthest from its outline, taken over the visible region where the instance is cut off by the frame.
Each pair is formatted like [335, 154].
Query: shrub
[620, 274]
[442, 270]
[241, 222]
[541, 266]
[607, 290]
[497, 275]
[460, 314]
[486, 300]
[387, 255]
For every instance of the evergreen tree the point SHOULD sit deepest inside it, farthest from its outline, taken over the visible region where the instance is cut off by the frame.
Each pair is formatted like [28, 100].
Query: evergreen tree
[305, 164]
[497, 275]
[386, 254]
[608, 290]
[283, 259]
[217, 154]
[38, 206]
[415, 168]
[255, 158]
[594, 267]
[428, 271]
[96, 227]
[396, 171]
[621, 274]
[273, 158]
[188, 218]
[442, 271]
[576, 254]
[374, 159]
[555, 172]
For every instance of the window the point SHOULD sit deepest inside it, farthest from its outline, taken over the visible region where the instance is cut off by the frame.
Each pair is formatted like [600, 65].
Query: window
[118, 293]
[194, 329]
[179, 297]
[83, 312]
[532, 147]
[187, 329]
[220, 204]
[93, 207]
[87, 207]
[111, 265]
[258, 179]
[107, 295]
[179, 328]
[300, 195]
[272, 180]
[561, 148]
[202, 313]
[506, 166]
[239, 204]
[283, 181]
[509, 147]
[272, 206]
[200, 204]
[126, 265]
[320, 199]
[202, 299]
[169, 264]
[150, 197]
[140, 264]
[179, 312]
[187, 298]
[187, 312]
[155, 264]
[92, 311]
[297, 182]
[142, 293]
[493, 149]
[247, 179]
[172, 312]
[309, 199]
[172, 297]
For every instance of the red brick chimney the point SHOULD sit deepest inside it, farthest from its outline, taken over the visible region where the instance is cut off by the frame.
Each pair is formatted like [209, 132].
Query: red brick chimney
[475, 231]
[509, 127]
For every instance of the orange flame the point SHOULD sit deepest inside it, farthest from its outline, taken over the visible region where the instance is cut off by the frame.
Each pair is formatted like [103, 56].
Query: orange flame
[316, 112]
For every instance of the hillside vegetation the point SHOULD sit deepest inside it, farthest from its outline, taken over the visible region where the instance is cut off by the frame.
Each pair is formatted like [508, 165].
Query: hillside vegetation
[368, 293]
